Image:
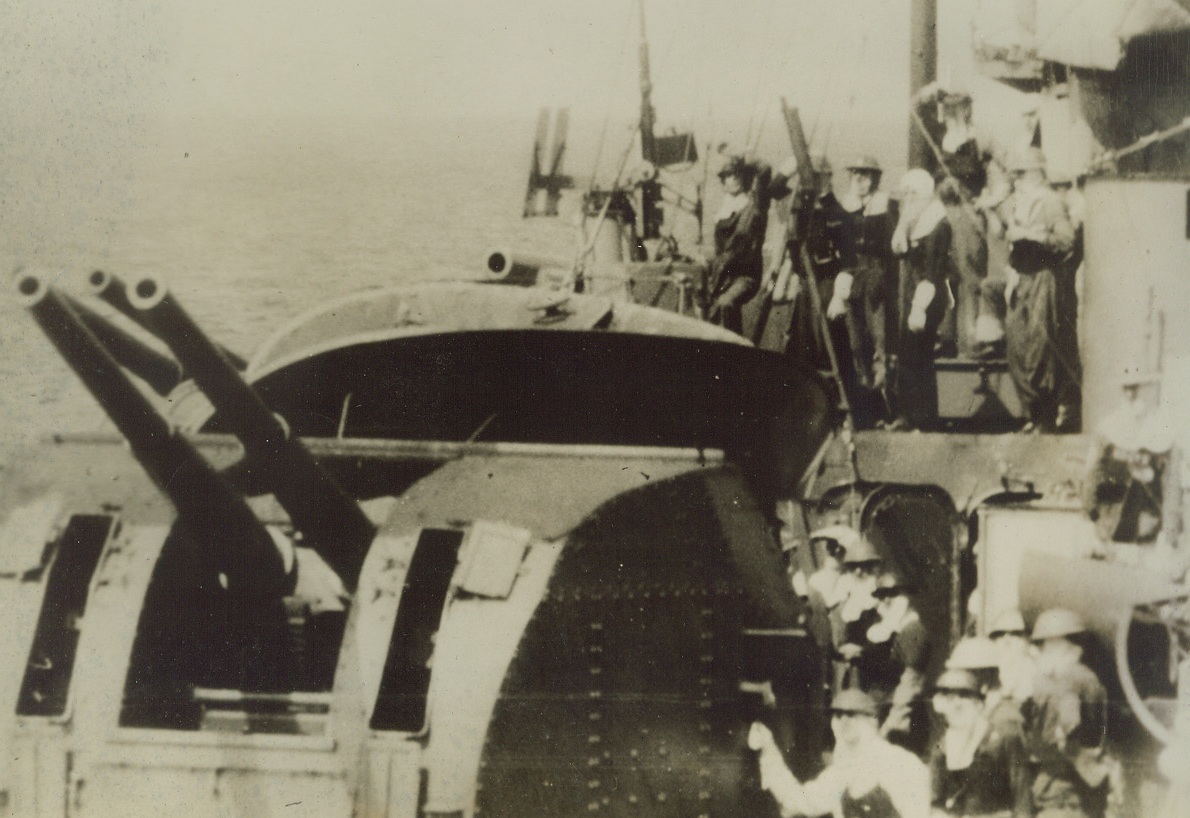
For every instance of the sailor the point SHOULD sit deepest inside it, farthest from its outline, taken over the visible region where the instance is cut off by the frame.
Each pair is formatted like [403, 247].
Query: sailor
[1043, 364]
[923, 238]
[902, 681]
[867, 776]
[817, 224]
[736, 269]
[1128, 464]
[859, 661]
[978, 655]
[976, 769]
[1066, 722]
[1016, 664]
[827, 587]
[861, 287]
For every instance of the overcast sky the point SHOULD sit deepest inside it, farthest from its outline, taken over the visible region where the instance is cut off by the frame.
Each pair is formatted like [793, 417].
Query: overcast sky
[443, 57]
[93, 79]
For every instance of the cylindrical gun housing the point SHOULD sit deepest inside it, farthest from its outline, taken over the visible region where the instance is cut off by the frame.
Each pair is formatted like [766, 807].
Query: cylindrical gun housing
[330, 520]
[207, 506]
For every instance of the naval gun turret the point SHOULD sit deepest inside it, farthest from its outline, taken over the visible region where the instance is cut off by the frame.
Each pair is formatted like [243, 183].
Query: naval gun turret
[566, 596]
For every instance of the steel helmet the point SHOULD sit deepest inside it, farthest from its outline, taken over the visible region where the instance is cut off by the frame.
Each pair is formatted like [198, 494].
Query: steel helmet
[862, 551]
[865, 162]
[1009, 621]
[962, 682]
[1057, 622]
[973, 653]
[854, 702]
[1029, 158]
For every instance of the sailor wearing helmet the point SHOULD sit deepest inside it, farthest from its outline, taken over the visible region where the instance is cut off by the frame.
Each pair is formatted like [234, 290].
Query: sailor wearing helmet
[980, 656]
[867, 776]
[907, 649]
[736, 269]
[862, 286]
[975, 767]
[1042, 357]
[1016, 659]
[1065, 723]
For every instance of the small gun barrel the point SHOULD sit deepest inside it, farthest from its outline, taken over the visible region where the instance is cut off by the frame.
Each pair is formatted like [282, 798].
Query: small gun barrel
[330, 520]
[161, 372]
[111, 288]
[504, 266]
[207, 506]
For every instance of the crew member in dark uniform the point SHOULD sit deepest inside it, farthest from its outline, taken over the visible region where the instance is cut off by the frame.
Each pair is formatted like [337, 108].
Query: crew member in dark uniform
[1065, 724]
[818, 224]
[923, 238]
[862, 285]
[736, 269]
[867, 776]
[976, 769]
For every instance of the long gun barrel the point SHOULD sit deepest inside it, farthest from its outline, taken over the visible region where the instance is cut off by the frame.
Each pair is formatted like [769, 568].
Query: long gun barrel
[161, 372]
[207, 506]
[111, 288]
[330, 520]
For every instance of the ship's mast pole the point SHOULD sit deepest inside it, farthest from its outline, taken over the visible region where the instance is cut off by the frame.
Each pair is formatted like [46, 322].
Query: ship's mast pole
[923, 68]
[650, 189]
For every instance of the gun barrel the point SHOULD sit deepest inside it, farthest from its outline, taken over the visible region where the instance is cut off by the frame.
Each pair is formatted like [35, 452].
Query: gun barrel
[112, 289]
[161, 372]
[330, 520]
[207, 506]
[522, 269]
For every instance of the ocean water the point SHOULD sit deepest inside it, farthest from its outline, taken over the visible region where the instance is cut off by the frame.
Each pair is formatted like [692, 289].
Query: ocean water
[253, 220]
[252, 223]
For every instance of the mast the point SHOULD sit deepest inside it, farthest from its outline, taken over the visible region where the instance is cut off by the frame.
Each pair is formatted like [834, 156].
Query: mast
[923, 69]
[650, 189]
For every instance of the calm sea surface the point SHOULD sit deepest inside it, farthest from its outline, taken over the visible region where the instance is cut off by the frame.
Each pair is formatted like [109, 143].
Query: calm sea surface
[251, 226]
[253, 221]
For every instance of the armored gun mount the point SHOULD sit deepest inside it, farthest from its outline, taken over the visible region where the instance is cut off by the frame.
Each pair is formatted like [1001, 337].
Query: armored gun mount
[574, 575]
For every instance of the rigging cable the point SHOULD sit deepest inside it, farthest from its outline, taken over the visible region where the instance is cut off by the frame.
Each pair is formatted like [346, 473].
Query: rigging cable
[619, 63]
